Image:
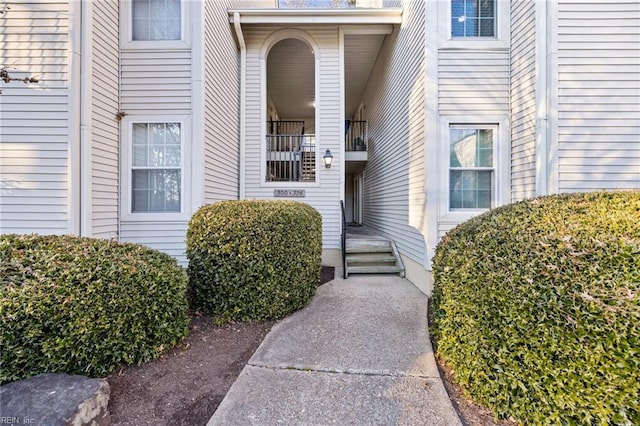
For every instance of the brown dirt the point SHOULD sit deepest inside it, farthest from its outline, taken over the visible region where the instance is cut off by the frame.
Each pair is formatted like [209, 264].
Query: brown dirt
[186, 384]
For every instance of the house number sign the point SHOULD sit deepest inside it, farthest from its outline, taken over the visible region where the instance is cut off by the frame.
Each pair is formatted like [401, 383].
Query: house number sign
[288, 192]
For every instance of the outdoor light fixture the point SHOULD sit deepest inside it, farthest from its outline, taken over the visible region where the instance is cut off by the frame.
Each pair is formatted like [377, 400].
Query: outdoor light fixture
[328, 158]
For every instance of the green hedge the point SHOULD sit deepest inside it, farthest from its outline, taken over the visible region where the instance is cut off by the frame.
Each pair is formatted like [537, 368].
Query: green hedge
[536, 308]
[83, 306]
[253, 260]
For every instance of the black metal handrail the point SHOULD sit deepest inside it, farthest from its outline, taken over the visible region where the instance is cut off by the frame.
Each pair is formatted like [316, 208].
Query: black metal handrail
[343, 240]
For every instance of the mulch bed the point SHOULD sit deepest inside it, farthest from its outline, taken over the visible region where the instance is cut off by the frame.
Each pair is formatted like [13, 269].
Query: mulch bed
[186, 384]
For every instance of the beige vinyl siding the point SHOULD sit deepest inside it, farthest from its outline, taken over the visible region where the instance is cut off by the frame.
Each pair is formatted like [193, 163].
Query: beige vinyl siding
[394, 177]
[104, 125]
[523, 99]
[598, 95]
[221, 104]
[168, 237]
[34, 119]
[324, 195]
[156, 81]
[473, 82]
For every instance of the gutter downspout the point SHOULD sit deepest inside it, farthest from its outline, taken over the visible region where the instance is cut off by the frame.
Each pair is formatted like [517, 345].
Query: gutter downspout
[243, 101]
[86, 89]
[542, 99]
[73, 114]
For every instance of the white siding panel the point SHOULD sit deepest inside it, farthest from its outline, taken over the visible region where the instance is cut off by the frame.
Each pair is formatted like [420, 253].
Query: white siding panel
[523, 99]
[168, 237]
[222, 87]
[394, 200]
[599, 95]
[105, 129]
[142, 72]
[473, 82]
[329, 130]
[34, 119]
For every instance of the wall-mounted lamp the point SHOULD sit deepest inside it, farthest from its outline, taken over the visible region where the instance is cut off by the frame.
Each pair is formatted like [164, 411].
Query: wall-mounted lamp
[328, 158]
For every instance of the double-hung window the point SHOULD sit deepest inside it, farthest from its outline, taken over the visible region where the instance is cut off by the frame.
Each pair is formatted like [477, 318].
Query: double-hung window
[156, 167]
[473, 18]
[471, 166]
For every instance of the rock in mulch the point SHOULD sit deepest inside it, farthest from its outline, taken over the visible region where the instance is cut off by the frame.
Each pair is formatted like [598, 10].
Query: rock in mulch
[55, 399]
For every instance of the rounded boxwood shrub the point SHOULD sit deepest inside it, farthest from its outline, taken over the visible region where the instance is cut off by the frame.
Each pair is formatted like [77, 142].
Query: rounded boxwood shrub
[536, 308]
[83, 306]
[253, 260]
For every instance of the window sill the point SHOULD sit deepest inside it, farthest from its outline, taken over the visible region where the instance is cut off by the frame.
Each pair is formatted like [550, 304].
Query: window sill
[156, 45]
[474, 43]
[155, 217]
[461, 215]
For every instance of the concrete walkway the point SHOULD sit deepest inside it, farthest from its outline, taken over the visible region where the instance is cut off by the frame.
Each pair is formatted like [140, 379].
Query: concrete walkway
[359, 354]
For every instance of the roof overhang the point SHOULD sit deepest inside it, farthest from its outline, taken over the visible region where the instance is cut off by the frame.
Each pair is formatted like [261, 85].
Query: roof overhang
[388, 16]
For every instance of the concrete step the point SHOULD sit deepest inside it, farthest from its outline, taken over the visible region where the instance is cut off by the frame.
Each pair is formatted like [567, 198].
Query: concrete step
[368, 242]
[368, 246]
[360, 258]
[378, 269]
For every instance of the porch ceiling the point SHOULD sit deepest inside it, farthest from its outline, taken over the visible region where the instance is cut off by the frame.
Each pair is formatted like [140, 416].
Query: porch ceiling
[292, 87]
[360, 54]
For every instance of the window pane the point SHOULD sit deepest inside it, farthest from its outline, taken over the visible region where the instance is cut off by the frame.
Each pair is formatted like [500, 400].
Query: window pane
[471, 148]
[173, 29]
[457, 18]
[140, 201]
[156, 20]
[487, 28]
[470, 189]
[156, 190]
[463, 148]
[473, 18]
[156, 145]
[487, 8]
[173, 133]
[485, 148]
[140, 145]
[172, 156]
[471, 27]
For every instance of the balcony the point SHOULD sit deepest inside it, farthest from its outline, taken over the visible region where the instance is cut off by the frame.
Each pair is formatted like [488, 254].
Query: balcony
[355, 144]
[291, 155]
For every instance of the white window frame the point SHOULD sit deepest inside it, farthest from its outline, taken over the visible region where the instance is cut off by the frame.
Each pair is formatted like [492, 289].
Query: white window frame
[501, 188]
[501, 39]
[126, 153]
[494, 21]
[491, 168]
[126, 30]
